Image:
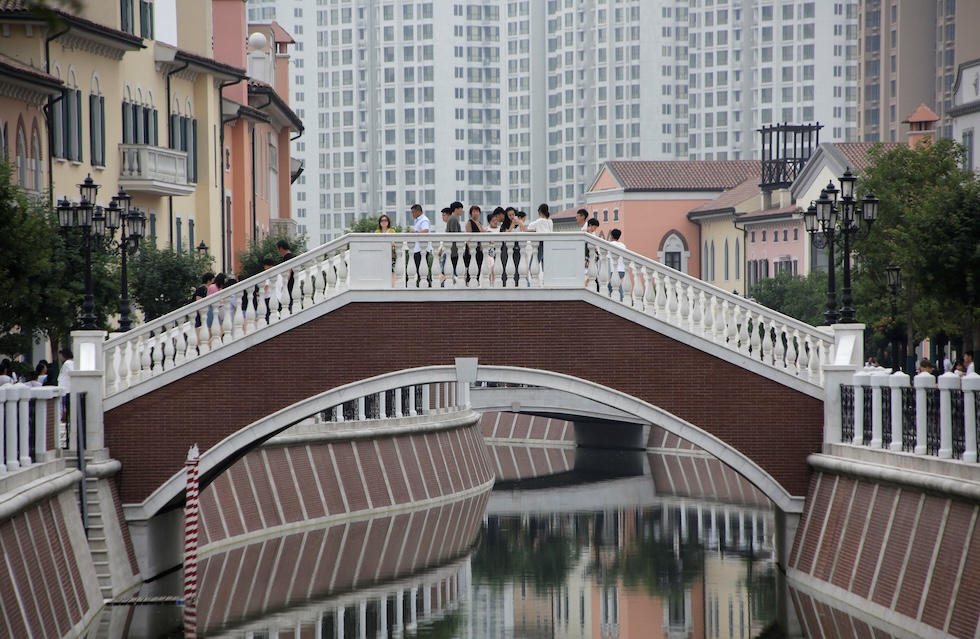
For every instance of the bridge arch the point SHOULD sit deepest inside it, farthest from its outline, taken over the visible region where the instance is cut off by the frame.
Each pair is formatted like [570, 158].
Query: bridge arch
[222, 454]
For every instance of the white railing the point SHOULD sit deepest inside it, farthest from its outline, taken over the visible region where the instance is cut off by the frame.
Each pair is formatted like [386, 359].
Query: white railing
[395, 403]
[923, 415]
[146, 162]
[24, 416]
[466, 261]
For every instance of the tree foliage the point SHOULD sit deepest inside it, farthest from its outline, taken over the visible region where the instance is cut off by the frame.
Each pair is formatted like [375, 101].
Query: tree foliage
[368, 224]
[43, 279]
[256, 250]
[799, 297]
[163, 280]
[928, 224]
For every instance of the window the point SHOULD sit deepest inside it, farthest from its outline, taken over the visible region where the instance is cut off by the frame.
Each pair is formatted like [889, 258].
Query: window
[726, 260]
[96, 118]
[127, 22]
[21, 157]
[146, 19]
[738, 259]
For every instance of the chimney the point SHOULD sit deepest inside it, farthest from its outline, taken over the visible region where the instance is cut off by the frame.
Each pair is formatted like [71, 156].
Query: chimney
[922, 126]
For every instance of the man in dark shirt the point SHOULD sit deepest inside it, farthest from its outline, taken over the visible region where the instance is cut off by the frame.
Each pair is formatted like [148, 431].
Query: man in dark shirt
[285, 254]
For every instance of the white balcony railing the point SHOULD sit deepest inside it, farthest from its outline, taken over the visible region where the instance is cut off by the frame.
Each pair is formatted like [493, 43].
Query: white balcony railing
[472, 262]
[154, 169]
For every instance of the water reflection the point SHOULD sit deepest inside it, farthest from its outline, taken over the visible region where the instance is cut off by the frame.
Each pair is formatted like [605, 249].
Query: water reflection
[572, 551]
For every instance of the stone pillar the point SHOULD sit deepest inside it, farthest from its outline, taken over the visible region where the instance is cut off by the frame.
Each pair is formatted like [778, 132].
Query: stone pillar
[786, 526]
[896, 382]
[88, 379]
[922, 382]
[971, 386]
[466, 370]
[948, 382]
[879, 381]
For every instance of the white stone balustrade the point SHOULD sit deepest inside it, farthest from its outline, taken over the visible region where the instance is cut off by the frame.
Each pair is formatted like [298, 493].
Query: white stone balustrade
[146, 162]
[24, 415]
[395, 403]
[370, 262]
[905, 417]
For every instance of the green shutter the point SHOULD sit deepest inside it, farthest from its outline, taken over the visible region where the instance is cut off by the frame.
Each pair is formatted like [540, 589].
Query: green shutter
[192, 145]
[92, 125]
[156, 129]
[78, 124]
[102, 129]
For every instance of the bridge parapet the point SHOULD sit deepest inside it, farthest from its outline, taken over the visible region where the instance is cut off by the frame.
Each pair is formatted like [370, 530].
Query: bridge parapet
[886, 410]
[368, 262]
[29, 434]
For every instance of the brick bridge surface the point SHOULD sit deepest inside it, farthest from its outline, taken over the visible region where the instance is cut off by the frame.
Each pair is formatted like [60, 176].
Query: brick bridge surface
[772, 424]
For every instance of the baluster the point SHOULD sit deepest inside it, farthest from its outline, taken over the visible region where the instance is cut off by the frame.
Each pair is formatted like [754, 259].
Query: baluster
[319, 269]
[592, 270]
[158, 352]
[252, 311]
[215, 338]
[709, 304]
[24, 422]
[672, 289]
[227, 325]
[181, 346]
[472, 271]
[361, 416]
[329, 277]
[649, 291]
[125, 365]
[802, 356]
[437, 269]
[397, 412]
[485, 269]
[765, 334]
[786, 357]
[383, 405]
[111, 377]
[343, 272]
[309, 283]
[627, 283]
[413, 272]
[663, 304]
[535, 266]
[497, 272]
[524, 268]
[696, 300]
[615, 281]
[636, 285]
[400, 249]
[237, 320]
[816, 361]
[731, 333]
[507, 248]
[192, 341]
[142, 359]
[459, 268]
[603, 260]
[743, 333]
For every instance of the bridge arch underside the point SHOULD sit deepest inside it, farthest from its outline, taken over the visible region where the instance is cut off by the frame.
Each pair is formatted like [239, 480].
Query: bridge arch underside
[763, 426]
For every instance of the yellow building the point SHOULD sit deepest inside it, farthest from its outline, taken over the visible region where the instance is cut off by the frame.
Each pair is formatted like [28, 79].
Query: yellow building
[139, 110]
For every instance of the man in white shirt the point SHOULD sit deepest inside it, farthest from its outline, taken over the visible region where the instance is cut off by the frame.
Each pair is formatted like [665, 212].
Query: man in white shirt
[64, 380]
[582, 219]
[422, 225]
[968, 360]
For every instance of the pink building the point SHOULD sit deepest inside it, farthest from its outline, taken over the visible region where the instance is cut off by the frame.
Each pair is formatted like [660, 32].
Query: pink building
[649, 201]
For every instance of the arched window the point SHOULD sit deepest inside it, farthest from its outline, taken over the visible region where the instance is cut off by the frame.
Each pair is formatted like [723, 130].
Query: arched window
[712, 261]
[738, 259]
[22, 161]
[673, 252]
[704, 263]
[96, 123]
[72, 97]
[726, 260]
[37, 160]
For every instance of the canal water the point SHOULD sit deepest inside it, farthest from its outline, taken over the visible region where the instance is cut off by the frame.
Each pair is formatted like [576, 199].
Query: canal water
[596, 551]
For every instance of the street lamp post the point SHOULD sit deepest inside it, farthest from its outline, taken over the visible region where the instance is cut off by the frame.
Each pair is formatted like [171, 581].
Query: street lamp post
[894, 274]
[98, 226]
[829, 221]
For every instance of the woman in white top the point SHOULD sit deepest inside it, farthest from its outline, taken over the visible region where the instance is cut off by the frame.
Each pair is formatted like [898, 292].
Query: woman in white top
[541, 225]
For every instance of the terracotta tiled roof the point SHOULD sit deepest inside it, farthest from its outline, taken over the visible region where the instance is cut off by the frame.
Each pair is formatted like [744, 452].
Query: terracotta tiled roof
[21, 70]
[567, 214]
[856, 153]
[220, 67]
[922, 113]
[731, 198]
[20, 9]
[683, 175]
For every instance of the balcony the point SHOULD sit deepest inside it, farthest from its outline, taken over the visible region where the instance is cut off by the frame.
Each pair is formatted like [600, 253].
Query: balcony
[154, 170]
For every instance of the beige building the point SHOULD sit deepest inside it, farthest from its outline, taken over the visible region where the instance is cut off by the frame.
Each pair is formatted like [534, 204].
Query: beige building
[909, 53]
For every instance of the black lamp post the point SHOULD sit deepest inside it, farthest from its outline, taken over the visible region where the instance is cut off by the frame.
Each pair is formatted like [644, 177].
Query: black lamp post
[894, 274]
[829, 221]
[98, 226]
[202, 248]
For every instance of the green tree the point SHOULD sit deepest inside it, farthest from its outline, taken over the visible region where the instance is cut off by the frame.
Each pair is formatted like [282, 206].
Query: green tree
[163, 280]
[256, 250]
[803, 298]
[928, 224]
[368, 224]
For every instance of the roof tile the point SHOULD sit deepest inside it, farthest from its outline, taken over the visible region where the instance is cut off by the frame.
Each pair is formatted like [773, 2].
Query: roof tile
[732, 197]
[856, 153]
[683, 175]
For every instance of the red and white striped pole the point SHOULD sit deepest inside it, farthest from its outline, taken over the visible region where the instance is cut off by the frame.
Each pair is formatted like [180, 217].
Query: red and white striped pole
[190, 544]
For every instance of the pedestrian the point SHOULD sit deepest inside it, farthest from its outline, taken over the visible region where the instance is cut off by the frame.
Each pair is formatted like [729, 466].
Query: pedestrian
[541, 225]
[66, 358]
[286, 254]
[267, 263]
[582, 219]
[6, 372]
[968, 360]
[421, 225]
[473, 226]
[453, 226]
[41, 370]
